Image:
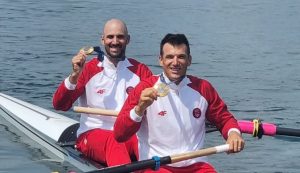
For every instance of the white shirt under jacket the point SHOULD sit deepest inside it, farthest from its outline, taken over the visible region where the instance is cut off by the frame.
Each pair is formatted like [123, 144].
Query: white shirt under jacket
[101, 85]
[174, 124]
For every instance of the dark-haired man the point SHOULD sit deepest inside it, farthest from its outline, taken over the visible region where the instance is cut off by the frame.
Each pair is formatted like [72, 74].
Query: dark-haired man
[168, 112]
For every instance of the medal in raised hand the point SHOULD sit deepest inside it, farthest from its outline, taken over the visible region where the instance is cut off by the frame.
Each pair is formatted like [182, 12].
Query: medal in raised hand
[162, 89]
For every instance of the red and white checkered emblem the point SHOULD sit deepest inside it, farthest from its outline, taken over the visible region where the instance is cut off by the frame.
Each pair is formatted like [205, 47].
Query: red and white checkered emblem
[129, 89]
[197, 113]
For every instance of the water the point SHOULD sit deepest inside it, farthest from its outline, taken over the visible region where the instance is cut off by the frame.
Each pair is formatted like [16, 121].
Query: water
[249, 50]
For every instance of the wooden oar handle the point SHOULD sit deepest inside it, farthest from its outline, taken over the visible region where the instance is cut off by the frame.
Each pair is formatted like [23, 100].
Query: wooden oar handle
[153, 163]
[200, 153]
[96, 111]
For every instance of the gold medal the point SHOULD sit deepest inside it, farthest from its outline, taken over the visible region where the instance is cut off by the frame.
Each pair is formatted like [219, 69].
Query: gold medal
[87, 50]
[162, 89]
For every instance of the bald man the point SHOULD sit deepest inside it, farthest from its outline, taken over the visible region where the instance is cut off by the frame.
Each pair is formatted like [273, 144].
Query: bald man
[103, 82]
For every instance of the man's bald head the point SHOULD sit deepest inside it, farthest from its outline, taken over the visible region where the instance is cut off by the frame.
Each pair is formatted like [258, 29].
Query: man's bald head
[115, 23]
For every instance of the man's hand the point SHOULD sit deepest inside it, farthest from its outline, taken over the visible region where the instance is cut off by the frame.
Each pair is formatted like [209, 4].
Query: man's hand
[147, 97]
[77, 64]
[235, 141]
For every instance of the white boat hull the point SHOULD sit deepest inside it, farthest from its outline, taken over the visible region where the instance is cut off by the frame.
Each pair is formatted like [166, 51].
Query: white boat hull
[51, 130]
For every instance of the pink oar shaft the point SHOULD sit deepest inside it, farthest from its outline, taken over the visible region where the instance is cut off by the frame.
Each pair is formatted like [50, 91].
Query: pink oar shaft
[248, 127]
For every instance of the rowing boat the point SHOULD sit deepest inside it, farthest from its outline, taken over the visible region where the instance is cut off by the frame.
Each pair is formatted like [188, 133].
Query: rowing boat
[54, 131]
[57, 133]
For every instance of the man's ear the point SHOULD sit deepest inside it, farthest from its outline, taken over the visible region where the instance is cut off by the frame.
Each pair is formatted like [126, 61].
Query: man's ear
[128, 39]
[102, 39]
[190, 60]
[160, 60]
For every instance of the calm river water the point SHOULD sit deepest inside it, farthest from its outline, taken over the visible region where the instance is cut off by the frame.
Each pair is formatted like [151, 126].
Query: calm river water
[249, 50]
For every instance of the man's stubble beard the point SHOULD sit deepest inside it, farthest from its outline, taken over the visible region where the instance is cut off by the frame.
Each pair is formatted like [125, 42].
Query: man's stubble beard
[118, 57]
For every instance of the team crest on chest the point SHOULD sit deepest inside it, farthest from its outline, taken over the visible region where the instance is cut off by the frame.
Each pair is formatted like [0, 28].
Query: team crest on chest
[197, 113]
[129, 89]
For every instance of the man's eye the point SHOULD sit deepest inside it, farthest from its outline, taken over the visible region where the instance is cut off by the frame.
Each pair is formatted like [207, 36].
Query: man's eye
[110, 37]
[120, 36]
[182, 56]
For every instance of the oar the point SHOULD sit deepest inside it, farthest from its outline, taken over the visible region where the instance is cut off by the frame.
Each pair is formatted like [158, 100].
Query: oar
[255, 127]
[156, 161]
[259, 129]
[96, 111]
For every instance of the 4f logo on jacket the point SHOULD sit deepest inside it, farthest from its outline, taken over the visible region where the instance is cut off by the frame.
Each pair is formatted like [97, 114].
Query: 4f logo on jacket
[162, 113]
[101, 91]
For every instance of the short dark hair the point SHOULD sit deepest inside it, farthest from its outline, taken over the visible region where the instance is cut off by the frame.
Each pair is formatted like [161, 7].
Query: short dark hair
[175, 40]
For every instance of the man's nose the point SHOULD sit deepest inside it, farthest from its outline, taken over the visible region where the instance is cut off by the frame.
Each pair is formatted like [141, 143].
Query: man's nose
[115, 40]
[175, 60]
